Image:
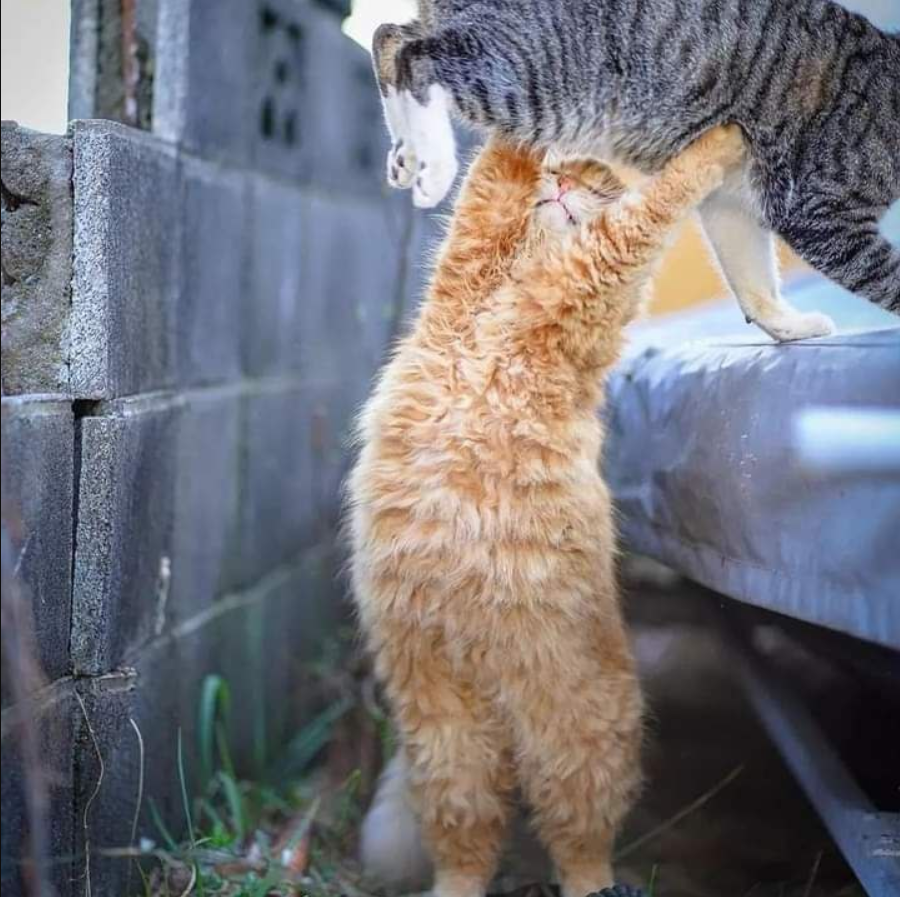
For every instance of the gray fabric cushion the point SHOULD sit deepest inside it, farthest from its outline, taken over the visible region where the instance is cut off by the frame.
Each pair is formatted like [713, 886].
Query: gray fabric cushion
[702, 457]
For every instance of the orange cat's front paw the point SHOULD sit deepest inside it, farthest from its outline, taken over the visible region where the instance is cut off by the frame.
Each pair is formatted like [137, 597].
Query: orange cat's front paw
[723, 145]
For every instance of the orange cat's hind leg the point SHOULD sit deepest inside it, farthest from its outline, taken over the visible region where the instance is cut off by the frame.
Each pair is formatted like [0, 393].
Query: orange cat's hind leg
[459, 772]
[578, 743]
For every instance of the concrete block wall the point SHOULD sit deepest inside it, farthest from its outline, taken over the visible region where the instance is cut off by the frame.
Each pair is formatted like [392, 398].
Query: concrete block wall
[194, 311]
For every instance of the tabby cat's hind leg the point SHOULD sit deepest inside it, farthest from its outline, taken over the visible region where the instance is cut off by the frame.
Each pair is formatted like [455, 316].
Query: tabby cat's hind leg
[745, 251]
[846, 245]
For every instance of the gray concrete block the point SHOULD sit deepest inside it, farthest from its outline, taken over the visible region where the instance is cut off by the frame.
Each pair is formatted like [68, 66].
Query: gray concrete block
[296, 454]
[332, 409]
[343, 135]
[263, 642]
[206, 510]
[275, 286]
[213, 274]
[37, 260]
[43, 767]
[157, 519]
[277, 515]
[284, 88]
[318, 107]
[124, 536]
[127, 268]
[38, 444]
[203, 96]
[354, 259]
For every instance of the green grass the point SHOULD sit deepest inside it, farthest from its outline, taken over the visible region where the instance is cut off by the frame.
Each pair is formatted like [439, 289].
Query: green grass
[247, 838]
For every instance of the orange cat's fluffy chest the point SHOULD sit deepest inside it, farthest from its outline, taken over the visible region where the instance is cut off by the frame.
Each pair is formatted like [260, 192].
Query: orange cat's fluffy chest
[473, 490]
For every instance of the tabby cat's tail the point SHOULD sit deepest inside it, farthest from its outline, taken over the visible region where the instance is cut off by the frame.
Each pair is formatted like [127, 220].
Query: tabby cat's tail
[391, 845]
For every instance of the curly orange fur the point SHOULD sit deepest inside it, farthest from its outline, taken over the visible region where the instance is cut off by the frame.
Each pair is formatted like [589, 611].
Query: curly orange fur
[483, 536]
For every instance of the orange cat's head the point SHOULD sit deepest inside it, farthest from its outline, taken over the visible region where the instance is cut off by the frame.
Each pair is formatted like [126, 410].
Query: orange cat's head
[573, 192]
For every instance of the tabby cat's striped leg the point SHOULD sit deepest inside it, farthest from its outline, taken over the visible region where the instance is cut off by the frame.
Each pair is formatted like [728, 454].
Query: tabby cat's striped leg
[746, 254]
[848, 248]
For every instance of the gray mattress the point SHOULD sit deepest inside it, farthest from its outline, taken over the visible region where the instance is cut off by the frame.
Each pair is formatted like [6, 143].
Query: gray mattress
[715, 476]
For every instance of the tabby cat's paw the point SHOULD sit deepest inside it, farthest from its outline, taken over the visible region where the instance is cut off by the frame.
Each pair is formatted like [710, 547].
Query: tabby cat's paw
[401, 165]
[793, 326]
[433, 181]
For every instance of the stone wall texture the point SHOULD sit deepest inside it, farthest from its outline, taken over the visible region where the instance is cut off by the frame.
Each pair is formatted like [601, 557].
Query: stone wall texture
[195, 300]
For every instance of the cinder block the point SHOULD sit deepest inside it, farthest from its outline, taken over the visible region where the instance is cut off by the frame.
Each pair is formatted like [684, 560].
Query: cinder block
[42, 766]
[285, 87]
[205, 64]
[353, 266]
[157, 519]
[275, 85]
[262, 642]
[213, 274]
[349, 137]
[277, 515]
[127, 269]
[333, 409]
[38, 444]
[207, 499]
[320, 110]
[37, 260]
[125, 526]
[276, 287]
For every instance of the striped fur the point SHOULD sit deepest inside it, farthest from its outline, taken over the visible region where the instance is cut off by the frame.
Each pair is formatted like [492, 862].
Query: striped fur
[815, 88]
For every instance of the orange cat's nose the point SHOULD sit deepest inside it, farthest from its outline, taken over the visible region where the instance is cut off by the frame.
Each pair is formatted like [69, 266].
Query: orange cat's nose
[565, 184]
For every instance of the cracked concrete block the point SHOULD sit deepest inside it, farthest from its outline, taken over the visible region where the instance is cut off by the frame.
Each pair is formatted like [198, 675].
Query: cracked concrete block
[37, 260]
[124, 534]
[42, 766]
[126, 286]
[213, 279]
[275, 286]
[157, 519]
[203, 96]
[38, 443]
[263, 643]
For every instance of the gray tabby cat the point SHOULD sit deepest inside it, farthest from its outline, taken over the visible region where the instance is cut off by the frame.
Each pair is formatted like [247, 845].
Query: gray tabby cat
[815, 88]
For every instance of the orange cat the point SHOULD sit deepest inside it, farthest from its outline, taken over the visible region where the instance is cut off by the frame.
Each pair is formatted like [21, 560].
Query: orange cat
[482, 531]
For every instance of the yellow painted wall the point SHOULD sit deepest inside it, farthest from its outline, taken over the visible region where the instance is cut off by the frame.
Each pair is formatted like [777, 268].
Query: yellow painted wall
[688, 275]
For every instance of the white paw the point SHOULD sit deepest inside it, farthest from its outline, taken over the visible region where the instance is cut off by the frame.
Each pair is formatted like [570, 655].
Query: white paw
[401, 165]
[797, 325]
[433, 182]
[432, 134]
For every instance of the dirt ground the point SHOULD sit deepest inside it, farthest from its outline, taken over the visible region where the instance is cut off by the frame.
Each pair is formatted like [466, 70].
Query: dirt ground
[756, 835]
